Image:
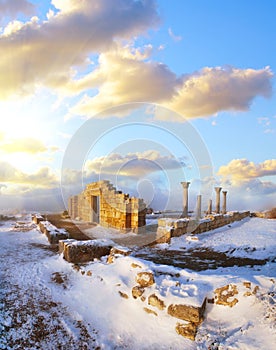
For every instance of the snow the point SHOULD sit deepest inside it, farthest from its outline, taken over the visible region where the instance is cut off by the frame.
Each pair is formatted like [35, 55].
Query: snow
[254, 238]
[41, 289]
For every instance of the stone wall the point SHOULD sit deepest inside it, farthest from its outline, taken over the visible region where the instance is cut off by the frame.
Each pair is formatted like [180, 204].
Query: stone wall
[101, 203]
[169, 228]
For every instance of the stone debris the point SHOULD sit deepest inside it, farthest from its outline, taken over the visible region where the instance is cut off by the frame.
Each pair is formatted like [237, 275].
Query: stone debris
[137, 292]
[123, 295]
[187, 330]
[224, 295]
[149, 311]
[145, 279]
[153, 300]
[117, 251]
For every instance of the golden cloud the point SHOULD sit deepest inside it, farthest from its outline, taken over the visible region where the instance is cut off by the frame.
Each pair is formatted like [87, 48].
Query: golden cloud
[44, 177]
[38, 53]
[22, 145]
[122, 78]
[243, 169]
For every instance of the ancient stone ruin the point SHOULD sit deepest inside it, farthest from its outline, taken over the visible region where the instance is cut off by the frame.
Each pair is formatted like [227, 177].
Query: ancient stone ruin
[101, 203]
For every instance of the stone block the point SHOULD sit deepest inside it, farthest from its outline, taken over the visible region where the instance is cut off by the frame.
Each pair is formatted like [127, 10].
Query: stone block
[84, 251]
[188, 313]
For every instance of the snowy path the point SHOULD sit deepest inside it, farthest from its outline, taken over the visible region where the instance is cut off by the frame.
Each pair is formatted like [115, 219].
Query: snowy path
[30, 318]
[46, 303]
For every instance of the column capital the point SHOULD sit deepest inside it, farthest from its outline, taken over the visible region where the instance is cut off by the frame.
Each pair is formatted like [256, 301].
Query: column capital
[218, 189]
[185, 184]
[224, 192]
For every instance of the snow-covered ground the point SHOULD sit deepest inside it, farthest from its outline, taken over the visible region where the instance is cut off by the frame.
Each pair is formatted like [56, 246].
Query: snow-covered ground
[47, 303]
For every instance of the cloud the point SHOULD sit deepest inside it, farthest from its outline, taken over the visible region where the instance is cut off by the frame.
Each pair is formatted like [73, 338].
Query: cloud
[243, 169]
[124, 78]
[43, 178]
[121, 78]
[216, 89]
[13, 7]
[135, 165]
[23, 145]
[173, 36]
[47, 53]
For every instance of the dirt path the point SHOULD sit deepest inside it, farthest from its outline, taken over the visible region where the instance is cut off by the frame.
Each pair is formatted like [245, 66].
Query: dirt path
[29, 316]
[74, 231]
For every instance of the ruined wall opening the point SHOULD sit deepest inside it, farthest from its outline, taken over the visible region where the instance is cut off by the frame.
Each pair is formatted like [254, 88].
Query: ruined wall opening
[95, 206]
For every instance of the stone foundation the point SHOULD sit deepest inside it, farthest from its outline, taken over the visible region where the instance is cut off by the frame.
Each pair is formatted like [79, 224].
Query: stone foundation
[53, 234]
[78, 252]
[168, 228]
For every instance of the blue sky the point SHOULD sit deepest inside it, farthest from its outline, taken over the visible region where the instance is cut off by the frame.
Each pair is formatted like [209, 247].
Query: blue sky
[167, 70]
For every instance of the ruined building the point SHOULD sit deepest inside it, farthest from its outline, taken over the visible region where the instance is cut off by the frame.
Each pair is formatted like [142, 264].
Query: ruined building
[101, 203]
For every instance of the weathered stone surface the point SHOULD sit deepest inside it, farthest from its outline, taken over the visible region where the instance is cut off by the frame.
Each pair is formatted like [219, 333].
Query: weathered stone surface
[62, 242]
[145, 279]
[149, 311]
[163, 235]
[115, 251]
[123, 295]
[114, 209]
[187, 312]
[137, 292]
[135, 266]
[187, 330]
[153, 300]
[84, 251]
[224, 295]
[247, 284]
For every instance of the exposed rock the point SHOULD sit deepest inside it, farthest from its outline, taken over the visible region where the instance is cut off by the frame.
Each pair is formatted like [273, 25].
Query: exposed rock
[225, 293]
[187, 312]
[123, 295]
[187, 330]
[255, 290]
[145, 279]
[137, 292]
[149, 311]
[136, 266]
[89, 273]
[153, 300]
[117, 251]
[247, 284]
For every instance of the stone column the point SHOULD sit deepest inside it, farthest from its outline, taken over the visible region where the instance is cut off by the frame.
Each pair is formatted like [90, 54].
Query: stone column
[217, 189]
[185, 186]
[198, 207]
[209, 210]
[224, 202]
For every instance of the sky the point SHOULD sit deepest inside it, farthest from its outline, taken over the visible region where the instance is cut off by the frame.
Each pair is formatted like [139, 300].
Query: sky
[144, 93]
